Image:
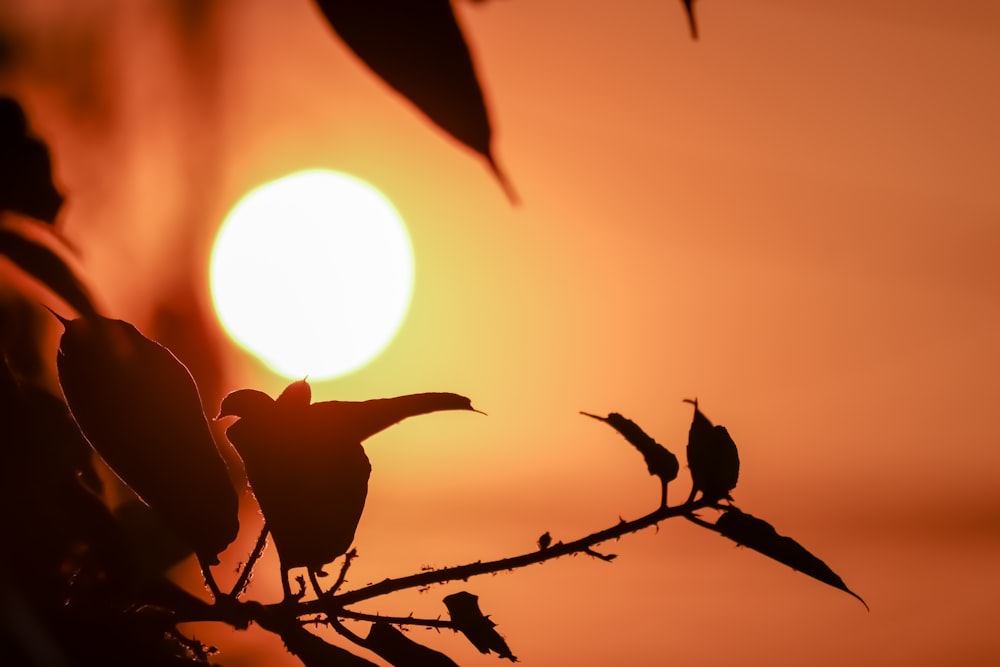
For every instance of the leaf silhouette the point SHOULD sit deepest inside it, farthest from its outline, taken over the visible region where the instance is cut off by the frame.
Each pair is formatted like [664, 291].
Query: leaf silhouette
[660, 461]
[759, 535]
[712, 457]
[44, 263]
[478, 629]
[419, 50]
[139, 408]
[689, 10]
[25, 168]
[401, 651]
[306, 465]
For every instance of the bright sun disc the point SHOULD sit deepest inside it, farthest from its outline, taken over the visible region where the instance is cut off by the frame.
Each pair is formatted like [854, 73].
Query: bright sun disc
[312, 273]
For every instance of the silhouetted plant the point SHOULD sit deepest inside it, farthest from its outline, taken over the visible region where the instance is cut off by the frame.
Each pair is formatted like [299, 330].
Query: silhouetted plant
[73, 591]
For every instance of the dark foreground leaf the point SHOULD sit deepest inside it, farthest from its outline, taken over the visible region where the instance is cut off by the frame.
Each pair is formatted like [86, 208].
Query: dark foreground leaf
[307, 467]
[712, 457]
[660, 461]
[689, 10]
[419, 50]
[45, 262]
[401, 651]
[478, 629]
[25, 169]
[139, 408]
[759, 535]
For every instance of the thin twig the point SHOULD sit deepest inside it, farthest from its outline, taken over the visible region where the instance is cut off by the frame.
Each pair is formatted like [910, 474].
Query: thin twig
[241, 584]
[342, 577]
[395, 620]
[462, 572]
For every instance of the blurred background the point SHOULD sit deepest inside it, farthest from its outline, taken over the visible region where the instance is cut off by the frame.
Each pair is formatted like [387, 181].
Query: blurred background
[795, 218]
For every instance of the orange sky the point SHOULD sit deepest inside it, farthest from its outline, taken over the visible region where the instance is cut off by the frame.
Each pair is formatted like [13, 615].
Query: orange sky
[795, 219]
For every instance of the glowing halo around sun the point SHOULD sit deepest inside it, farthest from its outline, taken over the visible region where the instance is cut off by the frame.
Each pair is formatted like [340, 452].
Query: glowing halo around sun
[312, 273]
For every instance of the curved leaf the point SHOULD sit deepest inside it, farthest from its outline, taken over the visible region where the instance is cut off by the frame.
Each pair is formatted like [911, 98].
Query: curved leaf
[401, 651]
[419, 50]
[759, 535]
[689, 10]
[47, 265]
[660, 461]
[307, 467]
[25, 168]
[477, 628]
[139, 408]
[712, 457]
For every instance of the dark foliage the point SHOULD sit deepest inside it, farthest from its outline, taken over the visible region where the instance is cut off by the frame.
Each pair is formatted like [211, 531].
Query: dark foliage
[660, 461]
[759, 535]
[401, 651]
[419, 50]
[25, 168]
[82, 585]
[307, 467]
[139, 408]
[712, 458]
[477, 627]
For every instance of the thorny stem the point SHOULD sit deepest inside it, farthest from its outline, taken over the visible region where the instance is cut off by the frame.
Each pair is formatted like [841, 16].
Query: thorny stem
[463, 572]
[395, 620]
[240, 586]
[333, 606]
[342, 577]
[206, 571]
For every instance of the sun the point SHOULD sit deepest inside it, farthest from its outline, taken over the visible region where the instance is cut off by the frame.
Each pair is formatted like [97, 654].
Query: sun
[312, 273]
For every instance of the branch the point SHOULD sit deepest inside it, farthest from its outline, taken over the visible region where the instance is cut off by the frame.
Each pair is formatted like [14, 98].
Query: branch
[334, 604]
[396, 620]
[244, 579]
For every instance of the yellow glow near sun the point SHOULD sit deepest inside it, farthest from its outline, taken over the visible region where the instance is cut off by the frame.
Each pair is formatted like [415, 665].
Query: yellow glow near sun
[312, 273]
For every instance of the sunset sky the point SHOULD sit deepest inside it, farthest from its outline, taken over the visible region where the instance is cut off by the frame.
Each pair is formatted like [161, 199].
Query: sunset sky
[795, 219]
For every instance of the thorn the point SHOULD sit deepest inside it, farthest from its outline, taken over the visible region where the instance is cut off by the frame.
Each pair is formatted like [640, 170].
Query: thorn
[62, 320]
[505, 184]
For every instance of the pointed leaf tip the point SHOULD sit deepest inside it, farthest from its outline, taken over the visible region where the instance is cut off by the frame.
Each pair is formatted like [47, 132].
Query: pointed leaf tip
[419, 50]
[467, 618]
[757, 534]
[660, 461]
[713, 457]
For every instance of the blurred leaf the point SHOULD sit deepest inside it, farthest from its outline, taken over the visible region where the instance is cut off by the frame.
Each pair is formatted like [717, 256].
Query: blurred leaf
[712, 457]
[44, 263]
[478, 629]
[759, 535]
[401, 651]
[660, 461]
[140, 410]
[25, 168]
[689, 10]
[419, 50]
[307, 467]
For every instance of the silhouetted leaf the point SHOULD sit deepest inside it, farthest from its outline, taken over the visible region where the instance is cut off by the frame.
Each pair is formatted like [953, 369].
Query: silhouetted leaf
[306, 465]
[689, 10]
[44, 263]
[478, 629]
[544, 541]
[312, 651]
[418, 49]
[62, 541]
[712, 457]
[25, 169]
[401, 651]
[759, 535]
[660, 461]
[139, 408]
